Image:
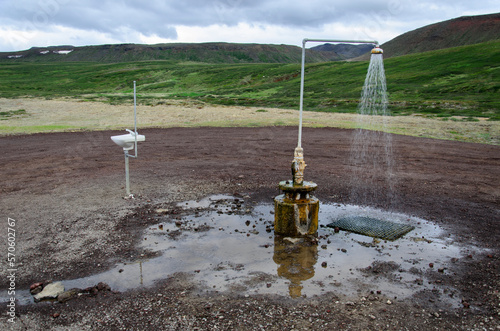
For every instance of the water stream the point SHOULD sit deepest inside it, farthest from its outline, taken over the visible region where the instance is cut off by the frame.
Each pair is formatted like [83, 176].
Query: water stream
[371, 147]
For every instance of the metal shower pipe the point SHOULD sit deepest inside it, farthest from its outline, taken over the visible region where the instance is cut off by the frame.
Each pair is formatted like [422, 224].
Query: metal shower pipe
[302, 71]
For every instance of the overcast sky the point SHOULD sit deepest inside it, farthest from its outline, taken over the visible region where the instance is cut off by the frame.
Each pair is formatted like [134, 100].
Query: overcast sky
[27, 23]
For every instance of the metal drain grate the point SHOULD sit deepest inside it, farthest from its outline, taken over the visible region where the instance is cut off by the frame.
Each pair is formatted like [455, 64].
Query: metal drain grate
[372, 227]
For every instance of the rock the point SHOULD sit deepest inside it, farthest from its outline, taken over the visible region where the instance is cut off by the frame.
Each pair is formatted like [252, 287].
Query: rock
[103, 287]
[51, 291]
[36, 288]
[68, 295]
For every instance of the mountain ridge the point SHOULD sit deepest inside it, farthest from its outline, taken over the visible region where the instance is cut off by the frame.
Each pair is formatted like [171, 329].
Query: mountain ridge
[461, 31]
[455, 32]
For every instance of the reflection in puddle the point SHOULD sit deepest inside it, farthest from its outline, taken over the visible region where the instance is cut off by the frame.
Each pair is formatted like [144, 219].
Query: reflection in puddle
[229, 245]
[296, 262]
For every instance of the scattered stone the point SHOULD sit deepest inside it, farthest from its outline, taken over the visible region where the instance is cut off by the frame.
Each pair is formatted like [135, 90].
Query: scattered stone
[336, 229]
[161, 211]
[91, 290]
[36, 288]
[324, 246]
[56, 315]
[50, 291]
[103, 287]
[389, 302]
[324, 264]
[431, 265]
[441, 270]
[343, 250]
[68, 295]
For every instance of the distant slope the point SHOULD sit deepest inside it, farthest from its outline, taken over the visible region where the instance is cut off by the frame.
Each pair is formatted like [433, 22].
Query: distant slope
[457, 81]
[460, 31]
[193, 52]
[342, 51]
[466, 30]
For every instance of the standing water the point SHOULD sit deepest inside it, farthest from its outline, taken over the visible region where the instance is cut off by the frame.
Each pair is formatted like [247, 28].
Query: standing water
[371, 147]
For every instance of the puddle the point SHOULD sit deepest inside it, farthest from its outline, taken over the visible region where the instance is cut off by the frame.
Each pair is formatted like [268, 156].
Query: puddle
[229, 245]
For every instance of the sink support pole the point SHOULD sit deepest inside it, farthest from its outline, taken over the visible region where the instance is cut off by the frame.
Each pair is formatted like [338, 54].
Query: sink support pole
[127, 177]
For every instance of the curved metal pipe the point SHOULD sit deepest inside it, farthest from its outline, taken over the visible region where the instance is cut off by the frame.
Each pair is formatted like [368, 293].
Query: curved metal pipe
[302, 71]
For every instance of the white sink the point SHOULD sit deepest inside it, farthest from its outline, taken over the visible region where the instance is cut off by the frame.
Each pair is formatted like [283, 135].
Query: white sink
[127, 141]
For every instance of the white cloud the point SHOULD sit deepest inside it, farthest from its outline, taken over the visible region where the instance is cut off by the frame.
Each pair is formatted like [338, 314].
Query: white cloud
[25, 23]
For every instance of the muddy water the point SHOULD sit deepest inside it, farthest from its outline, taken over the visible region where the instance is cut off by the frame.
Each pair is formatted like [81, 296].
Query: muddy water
[229, 245]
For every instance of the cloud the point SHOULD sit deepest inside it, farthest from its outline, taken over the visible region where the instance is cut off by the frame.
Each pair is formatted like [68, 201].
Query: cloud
[123, 21]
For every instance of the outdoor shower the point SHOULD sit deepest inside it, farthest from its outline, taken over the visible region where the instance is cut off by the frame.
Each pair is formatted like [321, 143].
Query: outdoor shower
[296, 210]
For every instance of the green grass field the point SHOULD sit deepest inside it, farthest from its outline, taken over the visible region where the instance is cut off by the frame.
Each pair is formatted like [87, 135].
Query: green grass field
[462, 82]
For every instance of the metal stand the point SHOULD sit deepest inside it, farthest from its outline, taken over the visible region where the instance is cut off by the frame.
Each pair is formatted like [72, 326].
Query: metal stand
[296, 211]
[127, 177]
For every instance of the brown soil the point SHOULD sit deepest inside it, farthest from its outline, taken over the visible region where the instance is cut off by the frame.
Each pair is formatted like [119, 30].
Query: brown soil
[65, 192]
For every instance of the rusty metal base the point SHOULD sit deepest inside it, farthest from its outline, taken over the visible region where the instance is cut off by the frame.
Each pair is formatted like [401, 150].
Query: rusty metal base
[295, 218]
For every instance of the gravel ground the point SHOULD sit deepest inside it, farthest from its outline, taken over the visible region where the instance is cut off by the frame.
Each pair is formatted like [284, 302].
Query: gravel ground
[65, 191]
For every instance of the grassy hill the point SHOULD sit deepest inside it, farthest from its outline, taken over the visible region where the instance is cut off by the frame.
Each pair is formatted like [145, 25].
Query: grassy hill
[452, 33]
[460, 81]
[193, 52]
[461, 31]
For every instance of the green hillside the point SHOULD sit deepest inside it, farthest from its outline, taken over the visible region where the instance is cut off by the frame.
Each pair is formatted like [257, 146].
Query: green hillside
[194, 52]
[461, 81]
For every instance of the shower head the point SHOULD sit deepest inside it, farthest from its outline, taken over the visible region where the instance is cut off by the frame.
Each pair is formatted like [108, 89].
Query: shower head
[377, 50]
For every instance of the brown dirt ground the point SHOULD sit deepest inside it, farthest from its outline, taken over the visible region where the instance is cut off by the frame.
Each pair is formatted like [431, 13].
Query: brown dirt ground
[65, 192]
